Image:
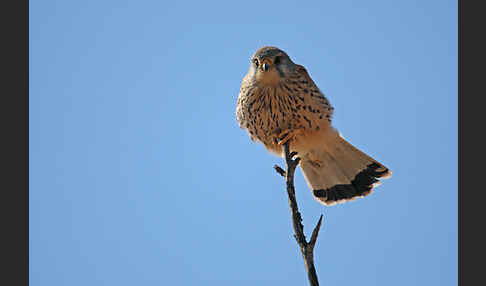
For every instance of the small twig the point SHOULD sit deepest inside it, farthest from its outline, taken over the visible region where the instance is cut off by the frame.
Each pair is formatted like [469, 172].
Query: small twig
[315, 232]
[279, 170]
[306, 248]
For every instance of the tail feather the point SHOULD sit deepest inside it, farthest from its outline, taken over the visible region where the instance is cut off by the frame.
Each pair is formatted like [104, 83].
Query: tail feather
[338, 172]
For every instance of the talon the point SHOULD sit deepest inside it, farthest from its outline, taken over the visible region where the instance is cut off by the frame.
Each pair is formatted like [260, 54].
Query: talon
[285, 137]
[316, 163]
[288, 135]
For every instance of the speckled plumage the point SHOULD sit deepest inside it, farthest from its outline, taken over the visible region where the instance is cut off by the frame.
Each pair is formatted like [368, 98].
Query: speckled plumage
[295, 102]
[279, 99]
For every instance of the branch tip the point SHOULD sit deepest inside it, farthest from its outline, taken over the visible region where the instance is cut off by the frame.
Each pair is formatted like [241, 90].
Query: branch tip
[315, 232]
[279, 170]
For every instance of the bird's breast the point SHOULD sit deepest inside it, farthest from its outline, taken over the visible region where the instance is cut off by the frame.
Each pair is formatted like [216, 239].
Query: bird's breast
[266, 112]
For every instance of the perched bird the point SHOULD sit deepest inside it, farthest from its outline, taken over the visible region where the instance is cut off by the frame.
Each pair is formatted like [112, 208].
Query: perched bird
[278, 102]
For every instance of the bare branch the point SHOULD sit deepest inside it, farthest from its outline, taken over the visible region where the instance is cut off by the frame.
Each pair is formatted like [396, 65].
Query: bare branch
[306, 248]
[313, 239]
[279, 170]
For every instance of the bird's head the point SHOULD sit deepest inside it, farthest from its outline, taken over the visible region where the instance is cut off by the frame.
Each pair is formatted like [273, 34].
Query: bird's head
[269, 65]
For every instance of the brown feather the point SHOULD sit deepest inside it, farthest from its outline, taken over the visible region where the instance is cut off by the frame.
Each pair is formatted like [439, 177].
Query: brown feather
[283, 98]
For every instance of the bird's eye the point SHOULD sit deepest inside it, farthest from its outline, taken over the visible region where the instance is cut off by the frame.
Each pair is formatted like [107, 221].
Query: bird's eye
[277, 60]
[255, 61]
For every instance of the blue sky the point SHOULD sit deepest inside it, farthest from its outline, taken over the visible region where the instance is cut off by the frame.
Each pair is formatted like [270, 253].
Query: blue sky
[140, 175]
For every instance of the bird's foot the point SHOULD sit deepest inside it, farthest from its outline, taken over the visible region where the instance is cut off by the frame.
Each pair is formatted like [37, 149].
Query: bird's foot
[316, 163]
[286, 136]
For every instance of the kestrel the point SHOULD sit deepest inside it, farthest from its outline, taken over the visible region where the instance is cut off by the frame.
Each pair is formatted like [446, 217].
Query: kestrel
[278, 102]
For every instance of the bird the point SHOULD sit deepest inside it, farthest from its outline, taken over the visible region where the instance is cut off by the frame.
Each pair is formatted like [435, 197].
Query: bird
[278, 102]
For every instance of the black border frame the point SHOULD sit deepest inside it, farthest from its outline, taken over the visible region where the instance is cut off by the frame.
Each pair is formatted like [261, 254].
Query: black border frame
[14, 116]
[471, 124]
